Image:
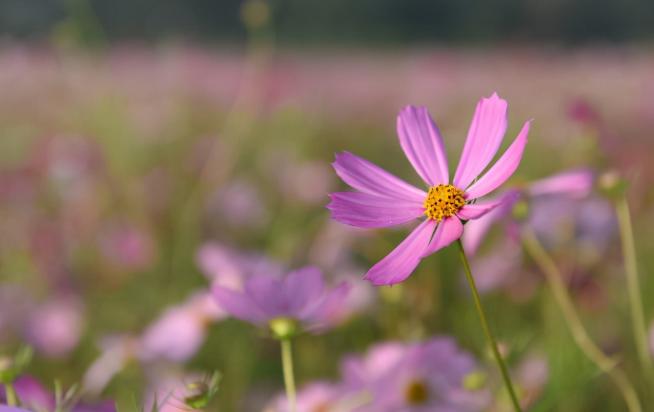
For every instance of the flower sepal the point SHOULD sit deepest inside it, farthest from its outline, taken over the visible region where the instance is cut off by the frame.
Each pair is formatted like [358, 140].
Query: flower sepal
[284, 328]
[520, 210]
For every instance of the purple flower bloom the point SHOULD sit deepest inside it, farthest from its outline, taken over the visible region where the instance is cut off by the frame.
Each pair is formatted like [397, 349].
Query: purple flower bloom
[228, 267]
[5, 408]
[572, 184]
[175, 336]
[427, 376]
[180, 331]
[384, 200]
[35, 397]
[128, 247]
[55, 327]
[300, 296]
[117, 351]
[564, 218]
[314, 397]
[31, 394]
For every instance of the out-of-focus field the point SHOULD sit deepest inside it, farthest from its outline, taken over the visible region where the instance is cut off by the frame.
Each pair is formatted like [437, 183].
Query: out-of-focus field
[117, 167]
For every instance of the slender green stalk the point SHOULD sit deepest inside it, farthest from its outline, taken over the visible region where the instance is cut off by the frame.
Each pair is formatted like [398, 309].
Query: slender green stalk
[487, 331]
[12, 397]
[289, 379]
[633, 285]
[579, 333]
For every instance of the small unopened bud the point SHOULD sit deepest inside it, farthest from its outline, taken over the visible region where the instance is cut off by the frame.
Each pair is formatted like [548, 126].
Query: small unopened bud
[611, 184]
[6, 370]
[12, 367]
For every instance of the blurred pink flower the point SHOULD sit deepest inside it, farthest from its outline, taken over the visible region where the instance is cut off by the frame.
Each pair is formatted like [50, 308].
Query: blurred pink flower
[116, 352]
[239, 203]
[384, 200]
[297, 179]
[564, 216]
[225, 266]
[300, 296]
[180, 331]
[532, 375]
[69, 162]
[174, 337]
[582, 111]
[54, 328]
[362, 371]
[34, 396]
[573, 184]
[128, 247]
[314, 397]
[425, 376]
[15, 305]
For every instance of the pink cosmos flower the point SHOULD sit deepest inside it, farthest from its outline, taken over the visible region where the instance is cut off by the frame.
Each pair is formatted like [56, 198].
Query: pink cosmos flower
[415, 377]
[36, 397]
[55, 327]
[383, 200]
[181, 330]
[301, 296]
[228, 267]
[314, 397]
[175, 336]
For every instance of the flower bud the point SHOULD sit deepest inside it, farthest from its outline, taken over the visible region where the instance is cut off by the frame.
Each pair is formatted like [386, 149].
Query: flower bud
[612, 185]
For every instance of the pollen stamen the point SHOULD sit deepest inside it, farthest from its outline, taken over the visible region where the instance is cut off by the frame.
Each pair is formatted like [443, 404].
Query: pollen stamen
[443, 201]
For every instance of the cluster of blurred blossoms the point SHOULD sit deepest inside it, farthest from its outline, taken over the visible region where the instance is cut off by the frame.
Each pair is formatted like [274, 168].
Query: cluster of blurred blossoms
[435, 375]
[429, 375]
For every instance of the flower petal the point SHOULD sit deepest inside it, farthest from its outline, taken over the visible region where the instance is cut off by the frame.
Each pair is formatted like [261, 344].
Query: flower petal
[303, 287]
[476, 229]
[329, 310]
[484, 138]
[369, 178]
[267, 293]
[477, 210]
[423, 145]
[503, 168]
[366, 210]
[238, 305]
[401, 262]
[449, 230]
[573, 183]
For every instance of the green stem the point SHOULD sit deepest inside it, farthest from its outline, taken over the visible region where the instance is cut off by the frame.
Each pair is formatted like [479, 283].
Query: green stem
[12, 397]
[487, 331]
[579, 334]
[633, 285]
[289, 379]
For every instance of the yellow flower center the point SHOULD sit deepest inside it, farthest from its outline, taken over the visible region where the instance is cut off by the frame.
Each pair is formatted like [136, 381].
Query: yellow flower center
[416, 393]
[443, 201]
